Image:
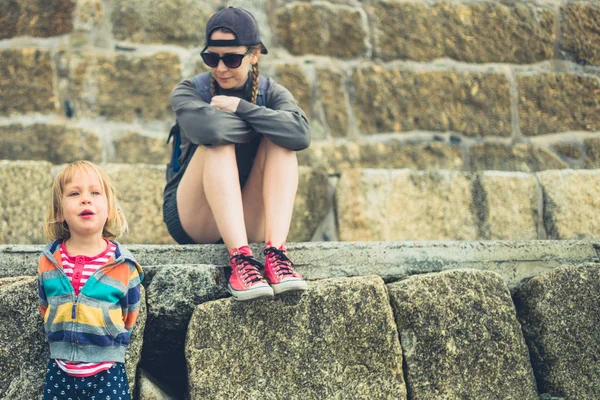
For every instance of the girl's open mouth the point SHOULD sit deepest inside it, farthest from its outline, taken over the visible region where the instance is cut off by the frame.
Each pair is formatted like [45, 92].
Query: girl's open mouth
[86, 214]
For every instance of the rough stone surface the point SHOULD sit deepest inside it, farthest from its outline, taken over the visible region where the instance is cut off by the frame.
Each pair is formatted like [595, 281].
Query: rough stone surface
[483, 32]
[337, 340]
[140, 188]
[513, 260]
[125, 87]
[24, 197]
[26, 83]
[333, 96]
[579, 32]
[507, 206]
[521, 157]
[135, 148]
[323, 28]
[55, 143]
[294, 79]
[149, 389]
[310, 206]
[550, 103]
[178, 22]
[559, 313]
[89, 15]
[405, 205]
[335, 158]
[592, 152]
[24, 357]
[568, 150]
[571, 203]
[460, 337]
[173, 293]
[41, 18]
[392, 100]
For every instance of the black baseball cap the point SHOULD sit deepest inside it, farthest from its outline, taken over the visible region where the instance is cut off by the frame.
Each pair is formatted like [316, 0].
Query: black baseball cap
[240, 22]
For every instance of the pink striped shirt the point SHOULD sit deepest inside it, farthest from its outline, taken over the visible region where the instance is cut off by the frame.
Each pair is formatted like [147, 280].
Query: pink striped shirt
[79, 269]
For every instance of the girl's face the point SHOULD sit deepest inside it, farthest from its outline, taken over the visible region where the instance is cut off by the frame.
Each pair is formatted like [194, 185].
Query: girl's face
[230, 78]
[84, 204]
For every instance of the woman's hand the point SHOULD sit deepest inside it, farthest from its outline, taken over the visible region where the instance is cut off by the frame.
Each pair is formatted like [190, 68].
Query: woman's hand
[225, 103]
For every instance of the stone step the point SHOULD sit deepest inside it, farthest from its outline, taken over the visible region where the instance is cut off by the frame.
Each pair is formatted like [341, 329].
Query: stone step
[513, 260]
[362, 205]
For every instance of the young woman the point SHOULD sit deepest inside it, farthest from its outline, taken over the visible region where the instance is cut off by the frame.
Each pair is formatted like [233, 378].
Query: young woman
[239, 172]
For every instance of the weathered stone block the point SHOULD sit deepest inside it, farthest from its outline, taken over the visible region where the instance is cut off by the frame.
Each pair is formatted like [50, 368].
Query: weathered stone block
[592, 152]
[89, 15]
[393, 100]
[55, 143]
[568, 150]
[135, 148]
[483, 32]
[41, 18]
[27, 81]
[337, 340]
[334, 158]
[25, 188]
[323, 28]
[173, 293]
[294, 79]
[571, 203]
[334, 99]
[520, 157]
[506, 205]
[579, 32]
[25, 356]
[405, 205]
[179, 22]
[140, 189]
[559, 313]
[310, 206]
[460, 337]
[550, 103]
[149, 388]
[126, 87]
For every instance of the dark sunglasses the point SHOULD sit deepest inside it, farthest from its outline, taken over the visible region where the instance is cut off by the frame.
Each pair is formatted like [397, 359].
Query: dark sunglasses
[230, 60]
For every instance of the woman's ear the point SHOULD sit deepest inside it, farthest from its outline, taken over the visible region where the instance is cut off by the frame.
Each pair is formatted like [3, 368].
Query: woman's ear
[254, 56]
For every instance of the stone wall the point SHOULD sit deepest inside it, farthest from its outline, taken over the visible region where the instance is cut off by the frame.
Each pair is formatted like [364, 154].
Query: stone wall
[443, 85]
[458, 333]
[481, 77]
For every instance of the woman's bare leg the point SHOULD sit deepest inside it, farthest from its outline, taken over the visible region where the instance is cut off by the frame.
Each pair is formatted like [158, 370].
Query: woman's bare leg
[209, 198]
[269, 193]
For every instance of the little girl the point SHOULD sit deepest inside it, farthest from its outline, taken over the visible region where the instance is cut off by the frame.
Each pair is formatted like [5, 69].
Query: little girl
[89, 288]
[239, 173]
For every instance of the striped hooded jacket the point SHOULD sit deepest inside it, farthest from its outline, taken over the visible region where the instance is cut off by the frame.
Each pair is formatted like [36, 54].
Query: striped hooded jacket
[95, 325]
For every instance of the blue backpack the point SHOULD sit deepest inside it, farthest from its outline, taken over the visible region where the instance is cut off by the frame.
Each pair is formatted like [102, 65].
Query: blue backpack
[202, 84]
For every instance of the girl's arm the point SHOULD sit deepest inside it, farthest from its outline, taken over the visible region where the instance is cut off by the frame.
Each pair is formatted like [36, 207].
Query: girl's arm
[283, 122]
[43, 300]
[206, 125]
[130, 304]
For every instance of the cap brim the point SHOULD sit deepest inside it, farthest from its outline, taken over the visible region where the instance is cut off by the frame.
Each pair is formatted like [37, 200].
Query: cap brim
[264, 49]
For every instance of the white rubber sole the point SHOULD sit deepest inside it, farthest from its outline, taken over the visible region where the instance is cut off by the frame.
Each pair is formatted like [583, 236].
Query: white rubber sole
[260, 292]
[295, 285]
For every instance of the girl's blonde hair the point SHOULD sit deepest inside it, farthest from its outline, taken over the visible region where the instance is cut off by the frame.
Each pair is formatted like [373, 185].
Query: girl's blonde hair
[116, 224]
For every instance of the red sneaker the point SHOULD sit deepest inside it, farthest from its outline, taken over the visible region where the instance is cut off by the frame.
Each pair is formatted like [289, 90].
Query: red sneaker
[246, 282]
[279, 270]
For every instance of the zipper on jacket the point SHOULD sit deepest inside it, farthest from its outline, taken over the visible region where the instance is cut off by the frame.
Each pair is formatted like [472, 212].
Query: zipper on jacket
[73, 310]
